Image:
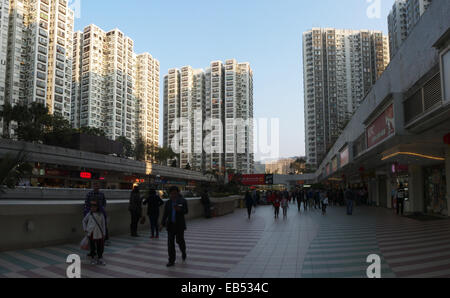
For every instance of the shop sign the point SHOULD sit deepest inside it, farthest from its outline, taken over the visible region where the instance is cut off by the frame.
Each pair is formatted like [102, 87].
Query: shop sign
[334, 164]
[381, 128]
[85, 175]
[344, 156]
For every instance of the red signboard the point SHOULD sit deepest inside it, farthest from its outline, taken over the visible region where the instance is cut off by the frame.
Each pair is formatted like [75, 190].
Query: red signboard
[249, 180]
[381, 128]
[85, 175]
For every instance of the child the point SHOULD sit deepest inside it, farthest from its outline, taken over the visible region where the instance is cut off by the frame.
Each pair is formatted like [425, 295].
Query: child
[285, 206]
[324, 204]
[94, 225]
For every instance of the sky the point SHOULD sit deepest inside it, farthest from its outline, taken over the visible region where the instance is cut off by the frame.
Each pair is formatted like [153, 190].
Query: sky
[265, 33]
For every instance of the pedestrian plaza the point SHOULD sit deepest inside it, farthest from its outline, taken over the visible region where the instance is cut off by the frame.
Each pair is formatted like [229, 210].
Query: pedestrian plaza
[305, 245]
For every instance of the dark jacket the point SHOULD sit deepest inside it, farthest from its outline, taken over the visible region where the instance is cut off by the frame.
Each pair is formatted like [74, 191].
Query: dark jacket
[154, 203]
[205, 199]
[180, 222]
[135, 205]
[249, 200]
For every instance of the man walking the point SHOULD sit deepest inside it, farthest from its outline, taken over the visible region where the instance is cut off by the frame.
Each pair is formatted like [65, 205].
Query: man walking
[173, 219]
[349, 197]
[401, 194]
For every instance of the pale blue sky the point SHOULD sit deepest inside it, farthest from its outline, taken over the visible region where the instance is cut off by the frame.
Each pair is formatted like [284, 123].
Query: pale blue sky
[266, 33]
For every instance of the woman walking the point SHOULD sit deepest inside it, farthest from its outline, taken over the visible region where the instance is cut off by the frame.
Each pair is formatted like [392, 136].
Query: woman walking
[285, 206]
[135, 209]
[249, 202]
[154, 203]
[276, 201]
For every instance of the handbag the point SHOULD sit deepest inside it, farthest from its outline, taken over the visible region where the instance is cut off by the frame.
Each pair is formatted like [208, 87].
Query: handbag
[84, 244]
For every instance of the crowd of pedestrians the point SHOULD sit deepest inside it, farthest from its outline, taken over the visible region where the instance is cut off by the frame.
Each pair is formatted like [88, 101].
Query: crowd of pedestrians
[95, 220]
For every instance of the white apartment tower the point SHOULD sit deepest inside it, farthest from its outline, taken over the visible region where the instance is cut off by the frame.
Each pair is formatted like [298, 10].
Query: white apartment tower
[147, 95]
[75, 117]
[402, 19]
[340, 67]
[4, 24]
[208, 116]
[119, 89]
[36, 53]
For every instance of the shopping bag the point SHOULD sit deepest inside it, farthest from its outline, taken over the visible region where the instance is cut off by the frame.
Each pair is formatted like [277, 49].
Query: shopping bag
[143, 220]
[84, 244]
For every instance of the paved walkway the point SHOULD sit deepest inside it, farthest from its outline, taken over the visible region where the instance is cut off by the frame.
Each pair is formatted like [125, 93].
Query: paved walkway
[304, 245]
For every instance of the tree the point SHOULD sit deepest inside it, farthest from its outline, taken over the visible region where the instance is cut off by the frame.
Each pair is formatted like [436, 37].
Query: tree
[162, 154]
[92, 131]
[298, 166]
[127, 146]
[12, 170]
[32, 121]
[7, 115]
[174, 163]
[140, 151]
[58, 131]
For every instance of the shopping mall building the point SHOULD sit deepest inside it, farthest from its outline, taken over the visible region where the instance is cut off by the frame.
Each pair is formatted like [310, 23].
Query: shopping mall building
[401, 133]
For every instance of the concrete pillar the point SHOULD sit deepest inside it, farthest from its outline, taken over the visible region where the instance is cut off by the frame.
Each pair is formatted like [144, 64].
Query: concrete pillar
[447, 177]
[416, 190]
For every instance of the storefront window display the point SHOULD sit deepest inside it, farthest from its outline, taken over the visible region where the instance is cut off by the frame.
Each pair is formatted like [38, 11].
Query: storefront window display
[435, 190]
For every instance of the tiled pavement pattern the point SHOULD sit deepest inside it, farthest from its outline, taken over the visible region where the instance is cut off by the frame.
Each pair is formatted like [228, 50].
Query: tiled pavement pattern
[304, 245]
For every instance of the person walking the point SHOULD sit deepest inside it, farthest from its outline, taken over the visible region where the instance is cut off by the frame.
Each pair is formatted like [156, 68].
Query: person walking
[173, 219]
[299, 197]
[401, 194]
[349, 197]
[206, 202]
[249, 203]
[154, 203]
[94, 224]
[135, 208]
[275, 200]
[317, 199]
[324, 204]
[99, 197]
[285, 205]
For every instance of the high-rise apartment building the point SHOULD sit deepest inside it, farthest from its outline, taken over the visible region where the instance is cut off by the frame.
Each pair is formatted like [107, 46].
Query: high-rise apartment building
[147, 95]
[4, 24]
[208, 116]
[402, 19]
[119, 89]
[340, 67]
[39, 53]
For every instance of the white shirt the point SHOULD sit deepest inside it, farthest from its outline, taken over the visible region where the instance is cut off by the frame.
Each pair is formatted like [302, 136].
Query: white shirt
[91, 227]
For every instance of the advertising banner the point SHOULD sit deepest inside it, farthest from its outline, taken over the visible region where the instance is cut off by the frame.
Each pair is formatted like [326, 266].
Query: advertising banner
[381, 128]
[344, 155]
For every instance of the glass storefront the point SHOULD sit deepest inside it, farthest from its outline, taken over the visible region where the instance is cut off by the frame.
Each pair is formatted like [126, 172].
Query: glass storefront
[435, 190]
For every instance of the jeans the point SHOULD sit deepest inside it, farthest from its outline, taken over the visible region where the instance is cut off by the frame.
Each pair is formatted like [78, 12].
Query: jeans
[179, 236]
[134, 222]
[349, 207]
[400, 206]
[277, 211]
[154, 224]
[249, 210]
[97, 246]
